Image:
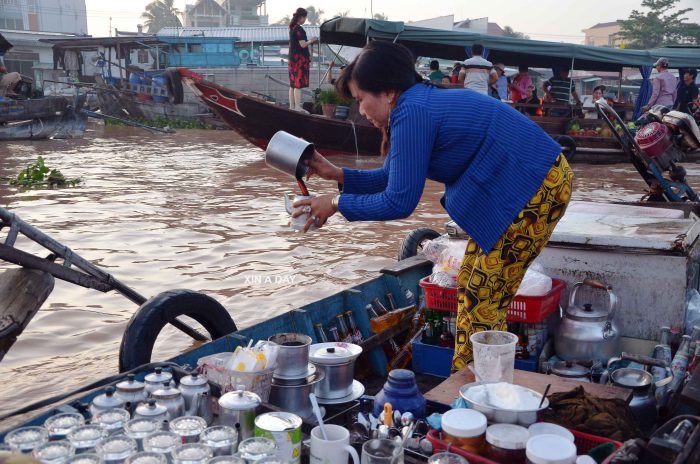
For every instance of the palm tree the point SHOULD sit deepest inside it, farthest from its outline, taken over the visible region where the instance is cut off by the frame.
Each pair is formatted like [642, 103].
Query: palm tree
[381, 17]
[314, 15]
[343, 14]
[510, 32]
[160, 14]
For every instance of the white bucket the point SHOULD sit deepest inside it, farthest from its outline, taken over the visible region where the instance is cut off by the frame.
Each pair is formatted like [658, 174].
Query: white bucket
[494, 355]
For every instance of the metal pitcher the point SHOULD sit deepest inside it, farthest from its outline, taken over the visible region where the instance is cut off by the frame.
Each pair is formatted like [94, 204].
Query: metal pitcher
[587, 333]
[287, 154]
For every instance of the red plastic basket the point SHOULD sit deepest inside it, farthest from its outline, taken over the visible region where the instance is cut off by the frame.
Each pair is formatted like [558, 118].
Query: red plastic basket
[528, 309]
[584, 443]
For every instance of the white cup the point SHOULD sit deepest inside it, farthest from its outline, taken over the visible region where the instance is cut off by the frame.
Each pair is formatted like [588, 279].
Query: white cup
[298, 223]
[335, 449]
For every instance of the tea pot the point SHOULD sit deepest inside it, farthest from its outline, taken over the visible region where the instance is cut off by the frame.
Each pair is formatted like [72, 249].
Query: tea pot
[191, 386]
[131, 390]
[586, 333]
[105, 401]
[154, 380]
[171, 398]
[151, 410]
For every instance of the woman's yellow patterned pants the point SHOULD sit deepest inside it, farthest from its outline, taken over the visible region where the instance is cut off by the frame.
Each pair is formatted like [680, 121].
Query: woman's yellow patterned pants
[488, 282]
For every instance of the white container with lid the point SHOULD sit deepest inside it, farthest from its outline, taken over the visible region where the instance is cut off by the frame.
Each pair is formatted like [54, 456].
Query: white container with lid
[550, 449]
[463, 422]
[331, 353]
[541, 428]
[507, 436]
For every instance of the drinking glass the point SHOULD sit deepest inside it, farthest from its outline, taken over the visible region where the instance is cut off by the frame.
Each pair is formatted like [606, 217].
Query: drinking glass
[191, 453]
[140, 428]
[446, 458]
[54, 452]
[230, 459]
[221, 439]
[85, 438]
[382, 451]
[494, 355]
[112, 420]
[60, 424]
[256, 448]
[116, 449]
[162, 442]
[147, 457]
[25, 439]
[188, 427]
[84, 458]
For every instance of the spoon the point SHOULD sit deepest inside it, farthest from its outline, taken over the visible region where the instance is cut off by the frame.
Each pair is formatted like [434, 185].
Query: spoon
[317, 413]
[546, 390]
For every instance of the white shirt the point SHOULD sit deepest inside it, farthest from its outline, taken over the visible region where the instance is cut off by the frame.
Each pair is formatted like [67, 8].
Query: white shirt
[476, 76]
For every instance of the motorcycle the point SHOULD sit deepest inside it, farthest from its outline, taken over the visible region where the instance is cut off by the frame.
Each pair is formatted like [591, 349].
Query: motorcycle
[662, 139]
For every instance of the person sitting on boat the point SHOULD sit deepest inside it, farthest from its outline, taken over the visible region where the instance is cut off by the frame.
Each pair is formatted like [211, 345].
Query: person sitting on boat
[663, 90]
[589, 111]
[299, 58]
[507, 183]
[8, 81]
[559, 88]
[499, 82]
[435, 75]
[688, 92]
[531, 99]
[521, 82]
[476, 71]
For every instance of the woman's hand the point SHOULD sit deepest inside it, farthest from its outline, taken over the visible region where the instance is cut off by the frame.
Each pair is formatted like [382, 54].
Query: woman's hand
[320, 208]
[323, 168]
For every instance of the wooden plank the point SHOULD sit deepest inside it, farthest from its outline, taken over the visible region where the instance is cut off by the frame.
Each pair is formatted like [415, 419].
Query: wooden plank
[448, 390]
[22, 292]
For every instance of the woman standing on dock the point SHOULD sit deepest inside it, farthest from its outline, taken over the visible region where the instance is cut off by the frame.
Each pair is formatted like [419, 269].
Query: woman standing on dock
[299, 58]
[506, 182]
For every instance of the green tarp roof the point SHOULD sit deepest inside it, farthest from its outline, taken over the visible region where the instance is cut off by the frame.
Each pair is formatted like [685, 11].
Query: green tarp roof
[436, 43]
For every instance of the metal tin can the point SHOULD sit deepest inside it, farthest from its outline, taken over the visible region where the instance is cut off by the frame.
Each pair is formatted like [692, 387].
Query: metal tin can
[285, 429]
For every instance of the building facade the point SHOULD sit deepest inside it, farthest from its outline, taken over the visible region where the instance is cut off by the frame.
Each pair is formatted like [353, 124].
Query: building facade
[66, 16]
[225, 13]
[603, 35]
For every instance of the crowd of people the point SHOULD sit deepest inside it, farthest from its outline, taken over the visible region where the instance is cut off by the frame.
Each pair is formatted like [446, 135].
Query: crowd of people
[480, 75]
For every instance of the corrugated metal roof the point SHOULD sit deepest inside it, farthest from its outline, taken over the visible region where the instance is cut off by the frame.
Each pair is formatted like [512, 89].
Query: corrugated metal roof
[261, 34]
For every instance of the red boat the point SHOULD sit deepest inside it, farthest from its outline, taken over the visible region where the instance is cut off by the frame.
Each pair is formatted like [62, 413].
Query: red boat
[257, 120]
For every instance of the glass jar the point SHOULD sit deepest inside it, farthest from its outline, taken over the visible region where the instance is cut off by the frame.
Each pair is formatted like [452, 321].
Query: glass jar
[257, 448]
[54, 452]
[140, 428]
[86, 438]
[112, 420]
[231, 459]
[506, 443]
[191, 453]
[221, 439]
[116, 449]
[84, 458]
[541, 428]
[188, 427]
[25, 439]
[446, 458]
[550, 449]
[465, 428]
[161, 442]
[60, 424]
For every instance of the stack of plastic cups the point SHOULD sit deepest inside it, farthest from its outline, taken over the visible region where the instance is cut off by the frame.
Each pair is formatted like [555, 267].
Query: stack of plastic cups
[25, 439]
[86, 438]
[141, 428]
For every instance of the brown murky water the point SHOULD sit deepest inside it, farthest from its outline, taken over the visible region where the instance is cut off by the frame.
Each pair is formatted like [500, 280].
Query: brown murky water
[197, 210]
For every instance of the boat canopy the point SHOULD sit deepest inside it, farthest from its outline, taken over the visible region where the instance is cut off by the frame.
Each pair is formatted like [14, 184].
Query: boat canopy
[455, 45]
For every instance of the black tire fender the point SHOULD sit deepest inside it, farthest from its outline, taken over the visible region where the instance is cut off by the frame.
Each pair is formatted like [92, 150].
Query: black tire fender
[173, 83]
[148, 321]
[567, 142]
[411, 244]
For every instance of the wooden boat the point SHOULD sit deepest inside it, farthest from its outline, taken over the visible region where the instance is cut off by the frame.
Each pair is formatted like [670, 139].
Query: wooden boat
[42, 118]
[258, 120]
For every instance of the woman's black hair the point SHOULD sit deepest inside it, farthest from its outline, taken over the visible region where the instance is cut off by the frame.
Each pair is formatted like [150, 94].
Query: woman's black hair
[380, 67]
[300, 13]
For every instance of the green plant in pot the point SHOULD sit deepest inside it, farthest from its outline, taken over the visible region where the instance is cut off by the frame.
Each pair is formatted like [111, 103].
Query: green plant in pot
[342, 109]
[329, 98]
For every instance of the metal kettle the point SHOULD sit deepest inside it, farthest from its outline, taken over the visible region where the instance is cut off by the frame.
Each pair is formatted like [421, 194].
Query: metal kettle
[587, 333]
[239, 407]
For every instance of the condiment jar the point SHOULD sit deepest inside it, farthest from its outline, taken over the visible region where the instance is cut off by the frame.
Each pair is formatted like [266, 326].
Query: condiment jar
[550, 449]
[238, 407]
[151, 410]
[105, 401]
[190, 386]
[465, 428]
[60, 424]
[155, 380]
[131, 390]
[506, 443]
[541, 428]
[86, 437]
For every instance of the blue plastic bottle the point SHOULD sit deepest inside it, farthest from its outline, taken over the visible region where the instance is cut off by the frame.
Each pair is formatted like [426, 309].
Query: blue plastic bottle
[402, 392]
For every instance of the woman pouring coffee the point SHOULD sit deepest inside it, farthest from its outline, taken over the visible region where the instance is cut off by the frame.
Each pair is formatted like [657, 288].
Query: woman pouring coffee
[506, 182]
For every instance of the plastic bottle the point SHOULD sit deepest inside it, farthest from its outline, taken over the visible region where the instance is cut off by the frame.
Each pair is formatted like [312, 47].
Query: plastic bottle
[680, 364]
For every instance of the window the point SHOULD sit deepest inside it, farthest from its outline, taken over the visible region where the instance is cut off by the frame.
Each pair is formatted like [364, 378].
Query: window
[16, 24]
[194, 48]
[142, 56]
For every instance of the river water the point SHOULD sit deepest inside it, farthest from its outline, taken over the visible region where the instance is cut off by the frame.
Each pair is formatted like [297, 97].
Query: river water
[197, 210]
